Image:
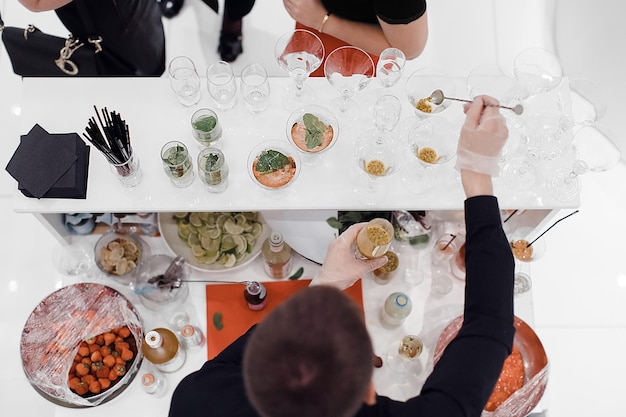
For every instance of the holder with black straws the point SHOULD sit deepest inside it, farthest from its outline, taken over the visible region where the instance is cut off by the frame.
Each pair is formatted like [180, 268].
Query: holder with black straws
[109, 134]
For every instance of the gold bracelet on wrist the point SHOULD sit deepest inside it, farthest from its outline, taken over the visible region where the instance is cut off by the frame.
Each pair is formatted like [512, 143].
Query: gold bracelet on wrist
[324, 20]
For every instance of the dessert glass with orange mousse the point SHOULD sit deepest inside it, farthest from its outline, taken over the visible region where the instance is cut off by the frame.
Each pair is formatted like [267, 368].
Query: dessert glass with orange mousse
[272, 165]
[312, 129]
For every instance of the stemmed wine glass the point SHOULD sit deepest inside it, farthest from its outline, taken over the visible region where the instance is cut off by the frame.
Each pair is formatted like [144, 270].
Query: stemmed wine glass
[588, 101]
[547, 136]
[536, 71]
[490, 80]
[378, 152]
[348, 69]
[388, 71]
[433, 143]
[594, 151]
[299, 52]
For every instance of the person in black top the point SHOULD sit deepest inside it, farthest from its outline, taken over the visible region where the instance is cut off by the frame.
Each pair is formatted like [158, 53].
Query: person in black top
[131, 30]
[312, 355]
[372, 25]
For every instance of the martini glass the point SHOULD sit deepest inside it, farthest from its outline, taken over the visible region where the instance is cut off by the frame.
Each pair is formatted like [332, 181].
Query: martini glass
[589, 101]
[491, 81]
[594, 151]
[536, 71]
[433, 143]
[299, 53]
[378, 152]
[348, 69]
[421, 84]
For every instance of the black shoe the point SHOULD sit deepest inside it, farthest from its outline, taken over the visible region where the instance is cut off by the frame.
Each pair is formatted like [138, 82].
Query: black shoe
[230, 46]
[170, 8]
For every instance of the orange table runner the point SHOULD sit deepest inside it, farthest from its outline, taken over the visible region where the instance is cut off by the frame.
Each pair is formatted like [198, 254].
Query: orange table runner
[237, 318]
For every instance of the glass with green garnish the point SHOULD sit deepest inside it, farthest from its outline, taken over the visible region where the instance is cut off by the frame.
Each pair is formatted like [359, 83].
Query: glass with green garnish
[177, 163]
[206, 127]
[312, 129]
[213, 170]
[274, 165]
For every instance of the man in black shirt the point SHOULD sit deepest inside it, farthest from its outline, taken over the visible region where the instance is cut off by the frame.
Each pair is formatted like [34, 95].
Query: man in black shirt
[312, 355]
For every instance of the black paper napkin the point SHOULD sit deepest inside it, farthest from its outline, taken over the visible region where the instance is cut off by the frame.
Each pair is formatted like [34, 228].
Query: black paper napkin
[50, 166]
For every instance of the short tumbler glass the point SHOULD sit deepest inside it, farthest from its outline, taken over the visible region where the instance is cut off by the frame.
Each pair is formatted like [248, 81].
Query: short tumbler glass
[213, 170]
[177, 163]
[206, 127]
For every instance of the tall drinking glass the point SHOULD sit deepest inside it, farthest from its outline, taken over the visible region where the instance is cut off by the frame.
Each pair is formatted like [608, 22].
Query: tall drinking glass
[184, 80]
[255, 88]
[221, 85]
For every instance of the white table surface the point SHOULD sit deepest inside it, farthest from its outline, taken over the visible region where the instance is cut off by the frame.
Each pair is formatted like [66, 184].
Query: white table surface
[155, 117]
[431, 312]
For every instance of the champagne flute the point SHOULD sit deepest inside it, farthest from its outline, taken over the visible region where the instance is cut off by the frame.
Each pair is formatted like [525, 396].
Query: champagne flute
[348, 69]
[388, 72]
[377, 151]
[390, 65]
[299, 53]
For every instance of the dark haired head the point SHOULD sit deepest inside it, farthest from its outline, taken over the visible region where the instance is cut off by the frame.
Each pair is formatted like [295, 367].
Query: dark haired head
[310, 357]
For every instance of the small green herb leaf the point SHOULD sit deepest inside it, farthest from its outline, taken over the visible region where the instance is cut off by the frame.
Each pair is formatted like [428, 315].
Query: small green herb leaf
[297, 274]
[217, 320]
[334, 223]
[211, 160]
[270, 161]
[205, 124]
[315, 129]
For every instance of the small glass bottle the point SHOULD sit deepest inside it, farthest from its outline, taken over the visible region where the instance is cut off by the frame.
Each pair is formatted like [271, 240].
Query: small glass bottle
[153, 382]
[276, 256]
[161, 347]
[192, 336]
[255, 295]
[397, 307]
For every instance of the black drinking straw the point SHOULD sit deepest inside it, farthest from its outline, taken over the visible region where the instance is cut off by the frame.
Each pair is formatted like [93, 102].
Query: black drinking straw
[555, 223]
[509, 216]
[448, 244]
[110, 135]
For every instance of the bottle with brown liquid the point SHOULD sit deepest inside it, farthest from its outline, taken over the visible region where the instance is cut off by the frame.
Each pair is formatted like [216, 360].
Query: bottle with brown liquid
[276, 256]
[255, 295]
[161, 347]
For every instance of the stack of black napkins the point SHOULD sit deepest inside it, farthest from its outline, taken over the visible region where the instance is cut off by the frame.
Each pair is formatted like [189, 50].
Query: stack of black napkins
[49, 165]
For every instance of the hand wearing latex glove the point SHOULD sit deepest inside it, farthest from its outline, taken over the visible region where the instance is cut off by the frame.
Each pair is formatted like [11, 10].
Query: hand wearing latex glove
[483, 136]
[340, 268]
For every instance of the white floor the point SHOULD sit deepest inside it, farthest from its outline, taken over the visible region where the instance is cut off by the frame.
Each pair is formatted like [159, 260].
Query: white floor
[579, 286]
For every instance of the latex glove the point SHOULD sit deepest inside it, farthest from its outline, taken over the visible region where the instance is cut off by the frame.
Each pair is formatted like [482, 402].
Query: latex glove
[483, 136]
[340, 268]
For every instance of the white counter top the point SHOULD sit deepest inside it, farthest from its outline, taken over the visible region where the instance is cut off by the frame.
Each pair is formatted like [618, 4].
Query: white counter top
[155, 117]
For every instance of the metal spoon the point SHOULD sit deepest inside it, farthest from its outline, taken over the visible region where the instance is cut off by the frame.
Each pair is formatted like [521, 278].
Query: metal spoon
[437, 97]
